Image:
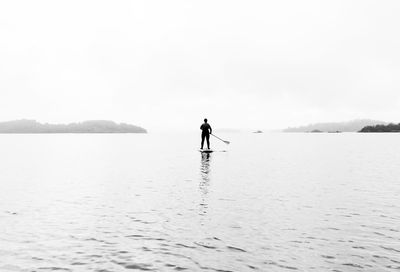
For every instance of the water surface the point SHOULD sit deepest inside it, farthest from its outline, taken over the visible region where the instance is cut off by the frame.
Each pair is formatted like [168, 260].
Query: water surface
[267, 202]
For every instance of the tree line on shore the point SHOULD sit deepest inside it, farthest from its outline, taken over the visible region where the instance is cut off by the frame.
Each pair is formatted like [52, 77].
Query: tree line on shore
[93, 126]
[382, 128]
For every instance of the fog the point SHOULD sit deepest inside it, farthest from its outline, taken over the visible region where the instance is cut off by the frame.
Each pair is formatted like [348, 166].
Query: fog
[168, 64]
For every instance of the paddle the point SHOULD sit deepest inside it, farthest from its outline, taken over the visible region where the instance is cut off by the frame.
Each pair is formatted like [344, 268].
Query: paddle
[227, 142]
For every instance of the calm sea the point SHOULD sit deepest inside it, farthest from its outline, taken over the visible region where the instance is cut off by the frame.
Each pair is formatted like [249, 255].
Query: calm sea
[266, 202]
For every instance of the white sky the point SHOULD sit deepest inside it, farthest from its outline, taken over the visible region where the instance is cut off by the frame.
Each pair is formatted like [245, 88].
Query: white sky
[168, 64]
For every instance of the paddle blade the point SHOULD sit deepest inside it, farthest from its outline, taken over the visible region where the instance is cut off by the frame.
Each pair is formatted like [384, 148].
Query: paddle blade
[227, 142]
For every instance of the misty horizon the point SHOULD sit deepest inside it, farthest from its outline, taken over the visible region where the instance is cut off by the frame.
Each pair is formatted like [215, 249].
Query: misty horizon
[358, 123]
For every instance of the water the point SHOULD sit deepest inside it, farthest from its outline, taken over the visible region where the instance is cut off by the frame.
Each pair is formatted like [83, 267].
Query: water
[271, 202]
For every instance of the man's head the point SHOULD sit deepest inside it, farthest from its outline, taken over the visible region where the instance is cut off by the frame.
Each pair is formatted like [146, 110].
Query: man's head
[205, 120]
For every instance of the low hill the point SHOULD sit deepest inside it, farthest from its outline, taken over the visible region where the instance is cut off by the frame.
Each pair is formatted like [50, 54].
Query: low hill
[349, 126]
[382, 128]
[95, 126]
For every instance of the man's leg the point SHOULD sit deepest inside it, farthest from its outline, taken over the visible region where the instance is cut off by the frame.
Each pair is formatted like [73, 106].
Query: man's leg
[202, 140]
[208, 141]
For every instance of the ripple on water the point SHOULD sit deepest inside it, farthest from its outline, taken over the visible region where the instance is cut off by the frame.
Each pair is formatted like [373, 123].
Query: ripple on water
[273, 263]
[353, 265]
[137, 266]
[143, 267]
[237, 249]
[55, 268]
[205, 245]
[175, 267]
[390, 249]
[327, 257]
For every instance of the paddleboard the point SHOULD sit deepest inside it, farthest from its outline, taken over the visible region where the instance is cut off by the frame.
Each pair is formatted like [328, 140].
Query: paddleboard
[206, 150]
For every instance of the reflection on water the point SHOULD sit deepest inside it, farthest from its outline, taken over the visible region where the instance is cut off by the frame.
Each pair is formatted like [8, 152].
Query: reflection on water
[205, 181]
[205, 168]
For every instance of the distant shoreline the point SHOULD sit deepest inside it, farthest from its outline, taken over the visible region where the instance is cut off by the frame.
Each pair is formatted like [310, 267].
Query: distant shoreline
[334, 127]
[73, 132]
[87, 127]
[389, 128]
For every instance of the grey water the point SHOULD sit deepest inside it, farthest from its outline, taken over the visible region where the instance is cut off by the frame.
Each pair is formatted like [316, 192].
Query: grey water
[266, 202]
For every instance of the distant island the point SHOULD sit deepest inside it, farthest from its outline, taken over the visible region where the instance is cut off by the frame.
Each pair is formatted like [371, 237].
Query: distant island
[336, 127]
[94, 126]
[382, 128]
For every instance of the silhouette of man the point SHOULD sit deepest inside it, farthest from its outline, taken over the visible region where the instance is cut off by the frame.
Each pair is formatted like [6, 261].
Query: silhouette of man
[206, 130]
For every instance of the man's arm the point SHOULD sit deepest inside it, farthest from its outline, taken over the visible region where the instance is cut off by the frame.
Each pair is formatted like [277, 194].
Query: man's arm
[210, 130]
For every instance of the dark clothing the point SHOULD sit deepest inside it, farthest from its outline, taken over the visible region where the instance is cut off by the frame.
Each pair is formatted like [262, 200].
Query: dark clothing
[206, 130]
[207, 137]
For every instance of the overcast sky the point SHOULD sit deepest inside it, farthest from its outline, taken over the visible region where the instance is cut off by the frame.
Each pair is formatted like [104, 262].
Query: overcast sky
[169, 64]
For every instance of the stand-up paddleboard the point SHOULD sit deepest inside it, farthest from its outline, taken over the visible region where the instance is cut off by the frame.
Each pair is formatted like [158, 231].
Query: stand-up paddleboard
[206, 150]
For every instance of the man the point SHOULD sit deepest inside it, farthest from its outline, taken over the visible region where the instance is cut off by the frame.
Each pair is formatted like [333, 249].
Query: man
[206, 130]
